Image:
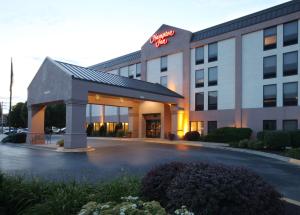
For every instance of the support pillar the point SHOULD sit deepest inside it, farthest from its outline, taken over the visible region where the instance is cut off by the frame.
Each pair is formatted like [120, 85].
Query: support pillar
[133, 121]
[36, 123]
[75, 136]
[179, 121]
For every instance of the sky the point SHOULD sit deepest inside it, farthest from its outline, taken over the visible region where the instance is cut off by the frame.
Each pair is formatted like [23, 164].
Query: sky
[86, 32]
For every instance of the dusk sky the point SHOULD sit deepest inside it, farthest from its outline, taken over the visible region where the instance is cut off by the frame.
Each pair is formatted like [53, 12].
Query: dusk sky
[91, 31]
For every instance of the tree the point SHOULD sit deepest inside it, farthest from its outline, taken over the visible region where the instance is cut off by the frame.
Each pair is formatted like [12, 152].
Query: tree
[18, 115]
[55, 115]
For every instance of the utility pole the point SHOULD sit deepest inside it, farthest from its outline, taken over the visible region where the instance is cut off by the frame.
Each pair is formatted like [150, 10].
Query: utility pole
[1, 106]
[10, 92]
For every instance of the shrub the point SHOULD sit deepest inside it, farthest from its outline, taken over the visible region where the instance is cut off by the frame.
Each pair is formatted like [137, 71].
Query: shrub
[234, 144]
[255, 144]
[216, 189]
[15, 138]
[293, 153]
[171, 136]
[157, 180]
[192, 136]
[60, 143]
[260, 135]
[103, 130]
[129, 205]
[243, 143]
[276, 140]
[228, 134]
[120, 133]
[295, 139]
[89, 129]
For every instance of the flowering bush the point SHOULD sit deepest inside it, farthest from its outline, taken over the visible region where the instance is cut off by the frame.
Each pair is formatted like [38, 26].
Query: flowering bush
[129, 206]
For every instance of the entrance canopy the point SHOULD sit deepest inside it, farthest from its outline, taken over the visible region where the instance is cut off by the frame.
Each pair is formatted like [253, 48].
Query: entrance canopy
[77, 86]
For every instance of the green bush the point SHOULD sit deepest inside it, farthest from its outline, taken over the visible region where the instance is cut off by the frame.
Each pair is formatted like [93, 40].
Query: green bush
[255, 144]
[15, 138]
[20, 196]
[192, 136]
[120, 133]
[228, 134]
[276, 140]
[295, 139]
[243, 143]
[60, 143]
[293, 153]
[129, 206]
[260, 135]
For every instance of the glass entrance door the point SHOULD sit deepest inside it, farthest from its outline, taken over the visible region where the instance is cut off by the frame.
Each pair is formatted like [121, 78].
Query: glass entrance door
[153, 128]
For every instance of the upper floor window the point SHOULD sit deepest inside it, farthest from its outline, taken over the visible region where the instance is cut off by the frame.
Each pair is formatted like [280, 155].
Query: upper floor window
[212, 52]
[270, 38]
[199, 55]
[131, 69]
[290, 33]
[199, 101]
[290, 125]
[269, 125]
[212, 76]
[270, 67]
[211, 126]
[290, 63]
[138, 70]
[270, 95]
[212, 100]
[124, 71]
[164, 81]
[199, 78]
[290, 94]
[164, 63]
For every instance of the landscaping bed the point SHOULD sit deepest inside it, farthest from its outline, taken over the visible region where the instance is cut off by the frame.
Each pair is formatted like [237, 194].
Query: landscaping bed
[174, 188]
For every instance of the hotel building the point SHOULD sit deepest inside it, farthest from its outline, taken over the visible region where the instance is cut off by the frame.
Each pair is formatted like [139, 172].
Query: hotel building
[242, 73]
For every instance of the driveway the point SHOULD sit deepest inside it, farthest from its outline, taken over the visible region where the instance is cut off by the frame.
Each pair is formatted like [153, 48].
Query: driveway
[114, 158]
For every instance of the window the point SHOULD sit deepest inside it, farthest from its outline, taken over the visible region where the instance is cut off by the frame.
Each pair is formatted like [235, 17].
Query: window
[199, 55]
[138, 70]
[212, 100]
[290, 33]
[164, 63]
[290, 94]
[199, 101]
[212, 76]
[269, 125]
[197, 126]
[270, 67]
[211, 126]
[199, 78]
[290, 125]
[164, 81]
[290, 63]
[131, 69]
[212, 52]
[270, 95]
[270, 38]
[124, 71]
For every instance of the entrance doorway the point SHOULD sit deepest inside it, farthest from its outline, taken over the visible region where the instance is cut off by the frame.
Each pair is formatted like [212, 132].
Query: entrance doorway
[153, 125]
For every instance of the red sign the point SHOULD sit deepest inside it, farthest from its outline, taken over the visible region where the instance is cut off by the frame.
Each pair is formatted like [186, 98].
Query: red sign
[162, 38]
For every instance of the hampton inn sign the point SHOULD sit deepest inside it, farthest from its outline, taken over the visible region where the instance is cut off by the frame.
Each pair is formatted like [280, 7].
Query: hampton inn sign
[161, 38]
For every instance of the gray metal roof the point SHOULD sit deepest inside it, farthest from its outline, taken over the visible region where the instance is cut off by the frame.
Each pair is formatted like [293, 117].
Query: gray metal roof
[245, 21]
[131, 57]
[88, 74]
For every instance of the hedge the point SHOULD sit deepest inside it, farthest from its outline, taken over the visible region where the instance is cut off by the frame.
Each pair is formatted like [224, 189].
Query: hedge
[228, 134]
[15, 138]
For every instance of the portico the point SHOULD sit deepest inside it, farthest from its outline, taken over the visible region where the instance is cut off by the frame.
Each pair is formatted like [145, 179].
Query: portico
[58, 82]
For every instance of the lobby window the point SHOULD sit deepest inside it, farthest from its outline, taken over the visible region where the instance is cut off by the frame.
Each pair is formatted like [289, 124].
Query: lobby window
[164, 63]
[138, 70]
[197, 126]
[270, 38]
[212, 76]
[199, 101]
[270, 94]
[164, 81]
[199, 78]
[290, 33]
[199, 55]
[211, 126]
[212, 52]
[212, 100]
[270, 67]
[290, 94]
[290, 125]
[269, 125]
[290, 63]
[131, 71]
